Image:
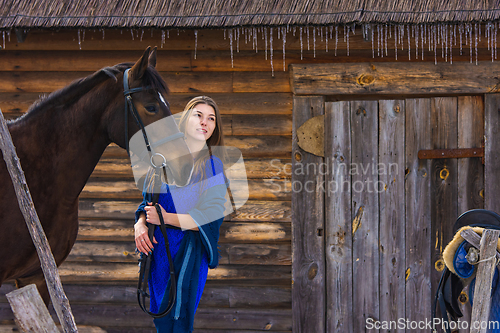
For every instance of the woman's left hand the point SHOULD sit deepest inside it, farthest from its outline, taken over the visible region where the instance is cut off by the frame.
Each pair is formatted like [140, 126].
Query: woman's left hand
[152, 215]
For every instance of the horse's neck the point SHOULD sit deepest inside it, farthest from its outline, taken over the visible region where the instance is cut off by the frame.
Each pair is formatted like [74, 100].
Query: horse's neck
[59, 148]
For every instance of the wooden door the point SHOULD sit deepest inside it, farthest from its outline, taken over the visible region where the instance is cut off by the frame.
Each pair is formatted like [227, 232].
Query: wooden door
[371, 223]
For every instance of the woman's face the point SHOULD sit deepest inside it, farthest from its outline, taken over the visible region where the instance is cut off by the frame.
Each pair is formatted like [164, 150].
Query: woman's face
[201, 123]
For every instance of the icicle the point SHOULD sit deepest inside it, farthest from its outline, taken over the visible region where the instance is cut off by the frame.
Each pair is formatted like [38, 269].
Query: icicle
[3, 33]
[326, 40]
[225, 34]
[142, 34]
[278, 32]
[237, 39]
[132, 33]
[395, 42]
[495, 31]
[8, 35]
[231, 46]
[102, 34]
[79, 40]
[451, 47]
[434, 39]
[83, 36]
[378, 40]
[294, 30]
[195, 42]
[265, 40]
[283, 34]
[445, 32]
[168, 34]
[255, 36]
[409, 44]
[271, 49]
[422, 39]
[385, 39]
[314, 42]
[246, 35]
[470, 42]
[348, 28]
[336, 38]
[321, 32]
[308, 47]
[301, 44]
[162, 38]
[373, 43]
[475, 38]
[416, 41]
[461, 31]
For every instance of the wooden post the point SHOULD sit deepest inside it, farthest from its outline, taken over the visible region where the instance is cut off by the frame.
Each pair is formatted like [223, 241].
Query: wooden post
[484, 278]
[30, 311]
[49, 267]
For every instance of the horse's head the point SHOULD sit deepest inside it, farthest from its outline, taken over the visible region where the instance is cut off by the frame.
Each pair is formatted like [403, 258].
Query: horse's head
[143, 104]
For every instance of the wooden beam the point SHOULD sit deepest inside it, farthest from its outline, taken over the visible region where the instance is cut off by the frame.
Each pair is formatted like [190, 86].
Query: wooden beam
[484, 278]
[47, 261]
[395, 78]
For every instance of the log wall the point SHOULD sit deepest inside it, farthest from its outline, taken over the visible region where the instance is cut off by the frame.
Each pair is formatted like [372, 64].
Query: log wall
[251, 289]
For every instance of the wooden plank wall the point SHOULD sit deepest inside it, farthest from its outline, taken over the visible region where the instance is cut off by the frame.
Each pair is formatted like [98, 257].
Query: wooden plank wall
[251, 289]
[387, 252]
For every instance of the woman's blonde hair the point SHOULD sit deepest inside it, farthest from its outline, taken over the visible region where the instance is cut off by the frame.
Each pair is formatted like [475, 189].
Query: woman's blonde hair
[217, 137]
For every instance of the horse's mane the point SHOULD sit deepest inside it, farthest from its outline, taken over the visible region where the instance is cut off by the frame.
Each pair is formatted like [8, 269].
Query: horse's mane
[68, 95]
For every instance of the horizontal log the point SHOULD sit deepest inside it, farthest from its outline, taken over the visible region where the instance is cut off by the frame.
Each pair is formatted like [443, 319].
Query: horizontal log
[241, 254]
[178, 82]
[230, 232]
[72, 272]
[255, 169]
[261, 82]
[279, 147]
[70, 61]
[253, 210]
[395, 79]
[131, 316]
[226, 296]
[258, 189]
[15, 103]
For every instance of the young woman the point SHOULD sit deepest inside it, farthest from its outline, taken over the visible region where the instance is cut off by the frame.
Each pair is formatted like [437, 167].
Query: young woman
[194, 214]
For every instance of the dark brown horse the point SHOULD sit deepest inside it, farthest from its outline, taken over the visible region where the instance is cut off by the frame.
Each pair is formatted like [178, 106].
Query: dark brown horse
[59, 142]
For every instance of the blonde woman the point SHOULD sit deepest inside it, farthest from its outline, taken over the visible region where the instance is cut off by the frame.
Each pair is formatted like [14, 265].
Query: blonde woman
[194, 221]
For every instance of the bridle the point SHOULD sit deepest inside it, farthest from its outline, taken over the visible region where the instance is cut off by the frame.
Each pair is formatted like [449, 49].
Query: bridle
[145, 260]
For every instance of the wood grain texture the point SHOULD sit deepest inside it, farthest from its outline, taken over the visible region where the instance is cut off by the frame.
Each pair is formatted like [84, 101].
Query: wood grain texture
[444, 173]
[30, 311]
[418, 228]
[491, 155]
[338, 229]
[470, 170]
[16, 103]
[308, 266]
[394, 78]
[230, 232]
[391, 191]
[253, 210]
[484, 279]
[365, 212]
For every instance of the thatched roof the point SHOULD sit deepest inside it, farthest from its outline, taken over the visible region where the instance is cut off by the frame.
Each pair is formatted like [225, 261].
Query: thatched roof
[230, 13]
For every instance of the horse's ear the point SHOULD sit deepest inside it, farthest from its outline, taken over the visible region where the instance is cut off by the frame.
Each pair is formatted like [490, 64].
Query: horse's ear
[139, 68]
[152, 57]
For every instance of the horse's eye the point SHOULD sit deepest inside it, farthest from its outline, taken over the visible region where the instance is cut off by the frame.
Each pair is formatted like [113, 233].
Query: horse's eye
[151, 109]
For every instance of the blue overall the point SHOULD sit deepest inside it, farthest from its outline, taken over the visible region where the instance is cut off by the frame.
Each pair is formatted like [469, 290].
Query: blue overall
[193, 252]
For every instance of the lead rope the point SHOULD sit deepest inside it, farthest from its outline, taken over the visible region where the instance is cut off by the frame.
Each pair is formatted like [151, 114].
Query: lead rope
[145, 260]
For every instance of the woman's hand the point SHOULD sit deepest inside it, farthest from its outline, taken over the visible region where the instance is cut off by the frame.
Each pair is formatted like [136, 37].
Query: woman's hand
[142, 241]
[152, 215]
